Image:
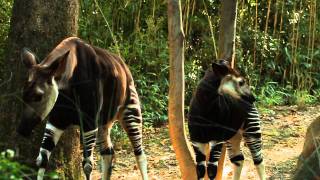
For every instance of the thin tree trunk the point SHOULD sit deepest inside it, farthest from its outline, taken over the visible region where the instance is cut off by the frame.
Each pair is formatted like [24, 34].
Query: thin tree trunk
[255, 35]
[314, 29]
[176, 92]
[275, 20]
[227, 33]
[293, 60]
[227, 30]
[215, 53]
[279, 33]
[265, 39]
[38, 25]
[267, 19]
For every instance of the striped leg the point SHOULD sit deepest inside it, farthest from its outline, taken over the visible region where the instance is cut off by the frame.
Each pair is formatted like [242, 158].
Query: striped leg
[199, 150]
[132, 123]
[252, 137]
[106, 150]
[215, 153]
[50, 140]
[235, 155]
[89, 141]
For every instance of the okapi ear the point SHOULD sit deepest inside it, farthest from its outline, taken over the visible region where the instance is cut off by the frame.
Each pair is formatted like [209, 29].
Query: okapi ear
[28, 58]
[221, 68]
[58, 64]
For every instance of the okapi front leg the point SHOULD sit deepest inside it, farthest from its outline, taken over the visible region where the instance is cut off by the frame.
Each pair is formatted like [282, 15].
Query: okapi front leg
[215, 153]
[50, 140]
[89, 141]
[199, 150]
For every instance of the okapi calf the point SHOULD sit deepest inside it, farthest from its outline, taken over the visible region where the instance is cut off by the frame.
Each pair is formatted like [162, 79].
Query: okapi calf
[80, 84]
[222, 111]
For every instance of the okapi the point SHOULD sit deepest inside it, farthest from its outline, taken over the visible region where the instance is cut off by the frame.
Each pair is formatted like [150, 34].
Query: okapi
[222, 111]
[80, 84]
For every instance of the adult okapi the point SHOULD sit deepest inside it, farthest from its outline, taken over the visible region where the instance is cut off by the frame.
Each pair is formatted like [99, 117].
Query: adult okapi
[222, 110]
[80, 84]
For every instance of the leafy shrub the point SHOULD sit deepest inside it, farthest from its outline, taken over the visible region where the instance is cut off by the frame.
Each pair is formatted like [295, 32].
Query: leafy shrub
[12, 170]
[303, 98]
[9, 169]
[5, 14]
[272, 94]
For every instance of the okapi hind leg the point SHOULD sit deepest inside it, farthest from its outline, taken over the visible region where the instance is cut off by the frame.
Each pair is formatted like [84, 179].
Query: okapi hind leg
[199, 150]
[235, 155]
[131, 121]
[254, 144]
[142, 163]
[105, 147]
[133, 127]
[89, 141]
[49, 141]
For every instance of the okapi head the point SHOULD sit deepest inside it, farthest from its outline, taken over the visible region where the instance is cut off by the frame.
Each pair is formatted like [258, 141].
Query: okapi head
[231, 82]
[40, 91]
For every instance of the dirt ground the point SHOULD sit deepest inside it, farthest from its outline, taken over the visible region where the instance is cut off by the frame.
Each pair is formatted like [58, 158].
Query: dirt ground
[284, 129]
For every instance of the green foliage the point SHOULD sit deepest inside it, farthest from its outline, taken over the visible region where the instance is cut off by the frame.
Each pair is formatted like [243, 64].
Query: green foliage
[143, 47]
[5, 14]
[12, 170]
[271, 94]
[303, 98]
[280, 69]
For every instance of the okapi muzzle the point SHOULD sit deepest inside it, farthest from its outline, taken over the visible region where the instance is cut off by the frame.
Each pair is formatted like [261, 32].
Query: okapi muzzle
[39, 94]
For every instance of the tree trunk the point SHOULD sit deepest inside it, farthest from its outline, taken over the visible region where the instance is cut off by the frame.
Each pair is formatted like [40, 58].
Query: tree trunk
[310, 169]
[308, 166]
[226, 49]
[39, 25]
[227, 30]
[176, 92]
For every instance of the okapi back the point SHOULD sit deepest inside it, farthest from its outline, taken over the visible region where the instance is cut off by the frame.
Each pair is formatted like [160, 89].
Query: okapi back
[98, 74]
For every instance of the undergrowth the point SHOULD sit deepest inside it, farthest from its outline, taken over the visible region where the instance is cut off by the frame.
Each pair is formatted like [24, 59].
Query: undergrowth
[12, 170]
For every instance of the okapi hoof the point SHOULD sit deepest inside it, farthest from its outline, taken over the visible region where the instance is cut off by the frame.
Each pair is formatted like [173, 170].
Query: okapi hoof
[212, 171]
[42, 159]
[87, 169]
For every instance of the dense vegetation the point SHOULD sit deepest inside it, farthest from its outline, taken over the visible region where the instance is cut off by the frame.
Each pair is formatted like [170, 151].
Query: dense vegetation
[277, 46]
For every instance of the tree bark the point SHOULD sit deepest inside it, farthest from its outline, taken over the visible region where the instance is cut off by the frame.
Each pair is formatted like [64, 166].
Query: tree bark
[38, 25]
[227, 30]
[308, 166]
[226, 49]
[310, 169]
[176, 92]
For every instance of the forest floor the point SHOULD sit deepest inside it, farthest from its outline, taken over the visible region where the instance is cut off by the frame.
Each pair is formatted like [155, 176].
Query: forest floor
[284, 130]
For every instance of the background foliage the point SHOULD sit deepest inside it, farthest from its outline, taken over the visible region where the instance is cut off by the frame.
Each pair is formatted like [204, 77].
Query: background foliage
[277, 46]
